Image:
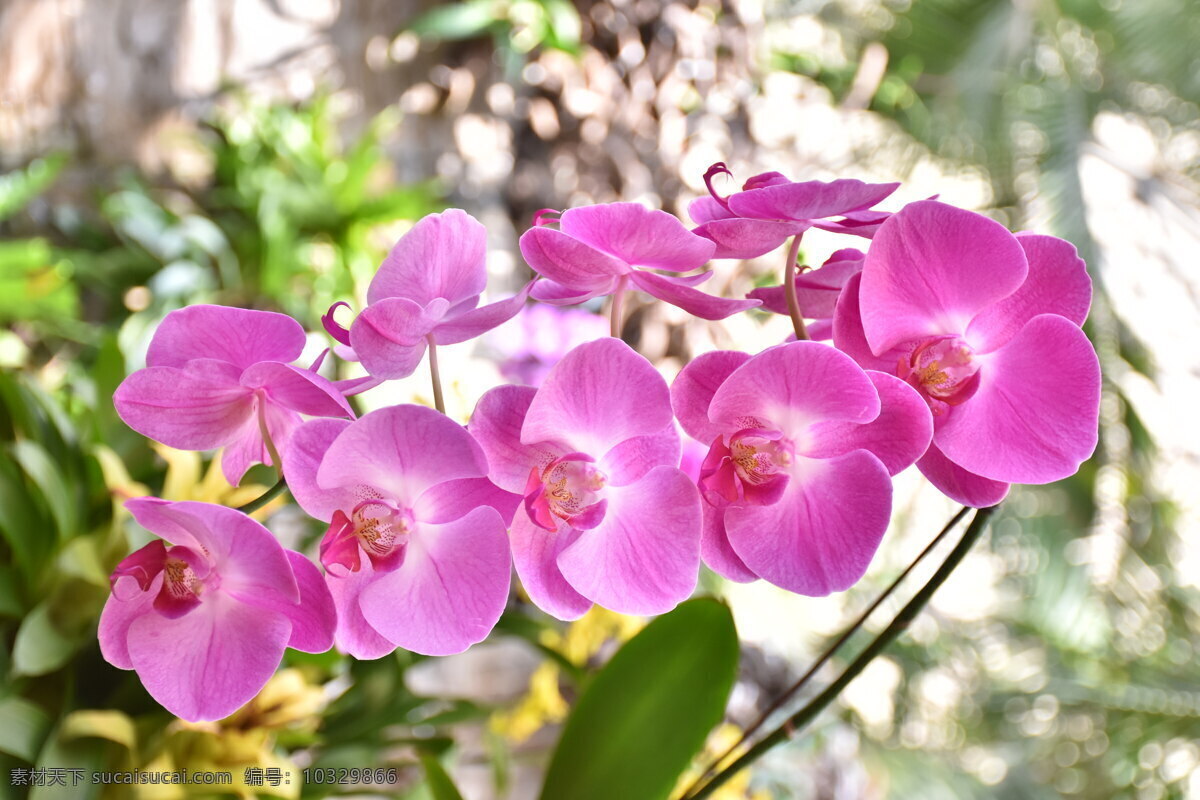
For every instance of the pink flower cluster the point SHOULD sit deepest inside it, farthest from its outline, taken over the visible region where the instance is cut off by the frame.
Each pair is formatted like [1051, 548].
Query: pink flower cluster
[956, 346]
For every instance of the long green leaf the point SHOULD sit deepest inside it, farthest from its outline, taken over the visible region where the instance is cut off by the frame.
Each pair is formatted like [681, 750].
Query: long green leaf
[439, 783]
[644, 717]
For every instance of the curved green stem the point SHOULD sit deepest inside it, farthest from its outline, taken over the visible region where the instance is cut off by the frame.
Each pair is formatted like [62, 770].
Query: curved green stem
[829, 652]
[264, 498]
[789, 290]
[881, 642]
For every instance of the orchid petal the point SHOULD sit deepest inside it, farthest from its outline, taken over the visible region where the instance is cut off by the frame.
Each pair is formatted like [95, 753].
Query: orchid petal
[480, 320]
[793, 386]
[644, 555]
[694, 387]
[401, 451]
[298, 389]
[200, 406]
[210, 662]
[599, 395]
[568, 261]
[898, 436]
[1039, 395]
[1058, 283]
[637, 235]
[959, 485]
[535, 556]
[237, 336]
[679, 293]
[496, 425]
[443, 256]
[821, 535]
[931, 268]
[809, 200]
[451, 589]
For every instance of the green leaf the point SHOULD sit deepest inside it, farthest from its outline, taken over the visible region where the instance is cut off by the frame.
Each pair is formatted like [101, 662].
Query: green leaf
[646, 714]
[439, 782]
[38, 465]
[23, 727]
[457, 20]
[40, 646]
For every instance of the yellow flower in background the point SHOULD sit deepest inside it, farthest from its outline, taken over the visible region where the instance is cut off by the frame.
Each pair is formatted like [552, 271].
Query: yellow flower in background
[737, 787]
[544, 704]
[242, 745]
[185, 480]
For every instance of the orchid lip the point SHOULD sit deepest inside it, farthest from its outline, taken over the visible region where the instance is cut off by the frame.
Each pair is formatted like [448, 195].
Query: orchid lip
[545, 216]
[751, 466]
[943, 369]
[373, 527]
[567, 489]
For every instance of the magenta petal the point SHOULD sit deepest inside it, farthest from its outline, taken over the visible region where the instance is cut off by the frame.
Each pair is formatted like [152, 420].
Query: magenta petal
[848, 333]
[389, 336]
[747, 238]
[707, 209]
[248, 448]
[577, 265]
[677, 292]
[820, 537]
[354, 635]
[401, 451]
[633, 458]
[237, 336]
[535, 555]
[933, 267]
[817, 291]
[716, 551]
[644, 556]
[480, 320]
[496, 425]
[809, 200]
[208, 663]
[958, 484]
[197, 407]
[556, 294]
[694, 387]
[794, 385]
[245, 554]
[453, 500]
[637, 235]
[314, 618]
[1035, 416]
[600, 394]
[898, 436]
[444, 255]
[298, 389]
[353, 386]
[451, 589]
[1058, 283]
[118, 615]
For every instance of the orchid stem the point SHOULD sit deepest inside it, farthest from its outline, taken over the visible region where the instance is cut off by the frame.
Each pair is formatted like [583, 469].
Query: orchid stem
[264, 498]
[439, 402]
[830, 651]
[789, 290]
[265, 432]
[618, 308]
[881, 642]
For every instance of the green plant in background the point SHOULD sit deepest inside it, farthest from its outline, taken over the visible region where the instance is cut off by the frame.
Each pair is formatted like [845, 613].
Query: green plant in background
[1089, 681]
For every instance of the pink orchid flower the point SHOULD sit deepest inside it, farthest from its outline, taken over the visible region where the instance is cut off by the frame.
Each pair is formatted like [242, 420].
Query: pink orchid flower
[816, 291]
[802, 445]
[416, 554]
[425, 294]
[222, 377]
[607, 516]
[604, 249]
[204, 616]
[986, 326]
[770, 208]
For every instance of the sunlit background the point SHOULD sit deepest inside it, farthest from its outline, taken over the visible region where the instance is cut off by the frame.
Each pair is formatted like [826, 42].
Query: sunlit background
[266, 153]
